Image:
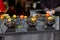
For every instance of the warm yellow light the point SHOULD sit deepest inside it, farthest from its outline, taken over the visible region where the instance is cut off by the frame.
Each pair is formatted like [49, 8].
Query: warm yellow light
[14, 16]
[25, 16]
[50, 18]
[9, 19]
[33, 19]
[7, 16]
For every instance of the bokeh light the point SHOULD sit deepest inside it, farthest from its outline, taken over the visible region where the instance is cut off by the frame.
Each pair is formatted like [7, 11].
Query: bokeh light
[2, 17]
[50, 18]
[25, 16]
[9, 19]
[21, 16]
[33, 19]
[14, 16]
[47, 15]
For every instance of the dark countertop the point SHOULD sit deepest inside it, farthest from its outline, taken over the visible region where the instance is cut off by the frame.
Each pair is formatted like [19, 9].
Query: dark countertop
[31, 32]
